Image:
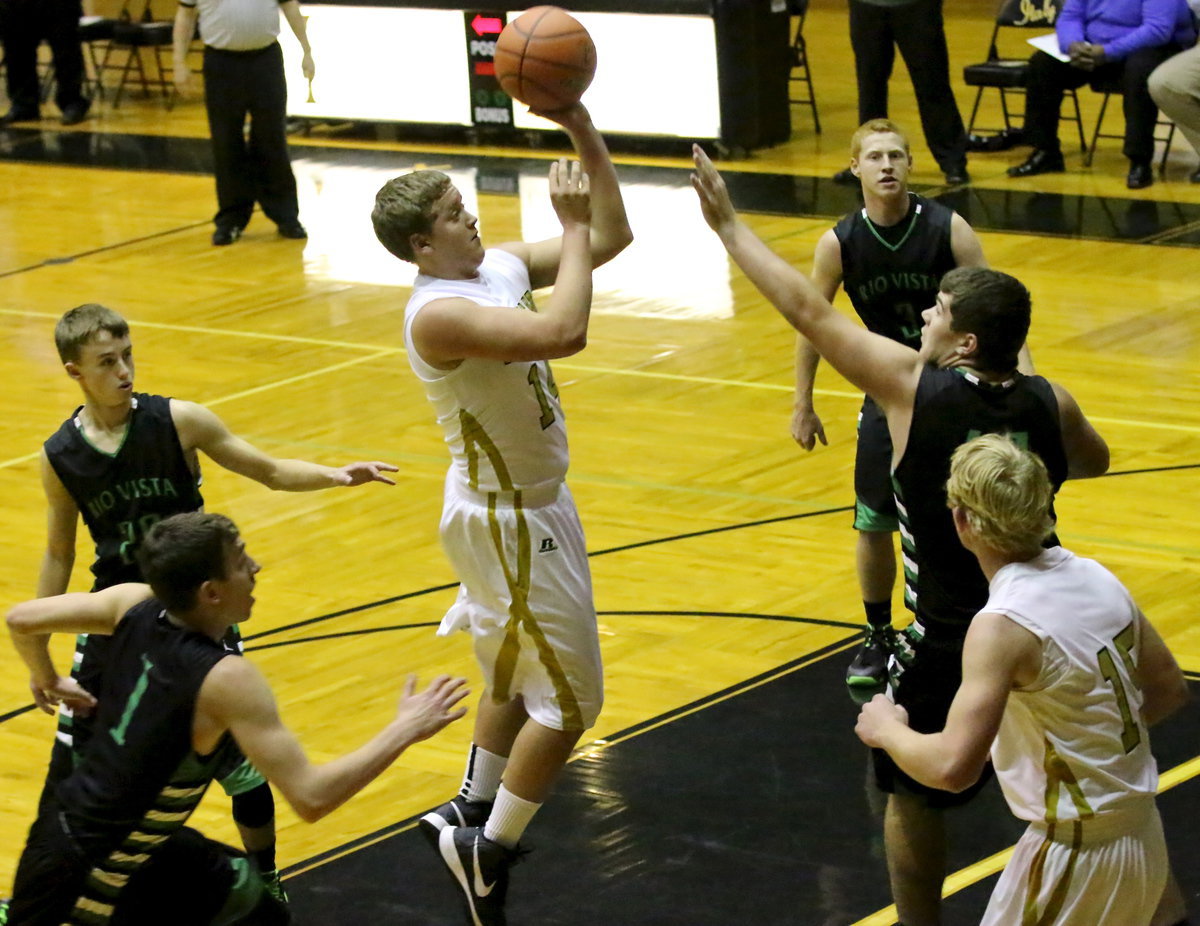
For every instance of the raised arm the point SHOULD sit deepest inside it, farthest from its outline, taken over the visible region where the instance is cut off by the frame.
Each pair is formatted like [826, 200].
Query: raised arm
[201, 429]
[62, 520]
[236, 697]
[826, 277]
[31, 624]
[997, 655]
[298, 23]
[1087, 452]
[885, 370]
[610, 233]
[448, 330]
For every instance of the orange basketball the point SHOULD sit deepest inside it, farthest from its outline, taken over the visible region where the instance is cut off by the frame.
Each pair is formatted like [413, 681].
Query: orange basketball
[545, 58]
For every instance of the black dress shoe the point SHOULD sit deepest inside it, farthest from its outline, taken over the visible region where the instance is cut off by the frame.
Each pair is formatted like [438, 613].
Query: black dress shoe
[957, 176]
[845, 177]
[1040, 162]
[1195, 177]
[75, 113]
[226, 235]
[1001, 141]
[19, 115]
[292, 229]
[1140, 176]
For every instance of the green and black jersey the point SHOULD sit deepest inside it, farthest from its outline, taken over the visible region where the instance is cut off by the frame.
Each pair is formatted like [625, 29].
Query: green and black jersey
[120, 496]
[891, 273]
[942, 579]
[140, 779]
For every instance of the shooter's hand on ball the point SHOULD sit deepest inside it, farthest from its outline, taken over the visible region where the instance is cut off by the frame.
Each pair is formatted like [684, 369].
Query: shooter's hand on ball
[570, 194]
[570, 117]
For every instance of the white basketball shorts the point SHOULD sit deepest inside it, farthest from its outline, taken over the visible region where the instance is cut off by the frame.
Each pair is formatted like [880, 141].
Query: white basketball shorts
[526, 597]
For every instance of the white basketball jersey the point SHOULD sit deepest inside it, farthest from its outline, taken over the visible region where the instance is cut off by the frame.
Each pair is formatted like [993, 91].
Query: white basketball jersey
[502, 421]
[1073, 744]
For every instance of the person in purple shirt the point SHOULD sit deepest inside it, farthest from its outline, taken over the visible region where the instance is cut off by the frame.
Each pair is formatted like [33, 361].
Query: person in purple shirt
[1103, 40]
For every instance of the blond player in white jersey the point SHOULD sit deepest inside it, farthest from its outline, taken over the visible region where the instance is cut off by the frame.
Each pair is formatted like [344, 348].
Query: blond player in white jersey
[509, 525]
[1062, 676]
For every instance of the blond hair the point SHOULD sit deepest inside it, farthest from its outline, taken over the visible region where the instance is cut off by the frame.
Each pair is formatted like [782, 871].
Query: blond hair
[876, 127]
[1005, 492]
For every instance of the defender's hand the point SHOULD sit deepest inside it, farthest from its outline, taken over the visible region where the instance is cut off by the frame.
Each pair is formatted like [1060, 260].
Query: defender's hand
[714, 197]
[424, 714]
[356, 474]
[807, 427]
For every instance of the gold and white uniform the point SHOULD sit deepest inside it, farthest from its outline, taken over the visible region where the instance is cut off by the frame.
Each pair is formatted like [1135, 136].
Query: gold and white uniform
[509, 525]
[1073, 755]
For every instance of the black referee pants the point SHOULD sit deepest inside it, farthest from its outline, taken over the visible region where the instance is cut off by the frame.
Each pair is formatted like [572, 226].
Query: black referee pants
[917, 30]
[23, 26]
[255, 167]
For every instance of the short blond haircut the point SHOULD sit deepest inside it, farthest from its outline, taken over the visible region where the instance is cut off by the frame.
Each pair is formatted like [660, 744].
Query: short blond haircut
[876, 127]
[1005, 492]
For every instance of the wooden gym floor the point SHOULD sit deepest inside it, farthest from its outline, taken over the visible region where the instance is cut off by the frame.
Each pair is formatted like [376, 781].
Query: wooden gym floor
[723, 783]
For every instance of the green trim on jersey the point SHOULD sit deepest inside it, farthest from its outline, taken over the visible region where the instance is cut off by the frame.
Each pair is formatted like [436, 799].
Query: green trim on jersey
[242, 779]
[871, 521]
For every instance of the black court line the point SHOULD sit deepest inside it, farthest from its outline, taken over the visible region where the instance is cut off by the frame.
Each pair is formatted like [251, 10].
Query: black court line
[594, 553]
[1134, 221]
[620, 735]
[751, 805]
[427, 624]
[354, 609]
[71, 258]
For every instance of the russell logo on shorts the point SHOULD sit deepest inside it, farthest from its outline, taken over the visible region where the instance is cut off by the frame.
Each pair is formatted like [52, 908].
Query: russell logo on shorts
[548, 545]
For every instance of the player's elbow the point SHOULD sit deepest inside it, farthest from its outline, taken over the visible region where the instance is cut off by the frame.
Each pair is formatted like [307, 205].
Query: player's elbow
[309, 807]
[957, 775]
[1162, 699]
[565, 340]
[608, 243]
[310, 813]
[20, 620]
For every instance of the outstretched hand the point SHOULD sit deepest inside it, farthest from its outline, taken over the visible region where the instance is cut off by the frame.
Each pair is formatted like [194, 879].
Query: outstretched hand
[356, 474]
[714, 197]
[876, 716]
[64, 690]
[426, 713]
[570, 193]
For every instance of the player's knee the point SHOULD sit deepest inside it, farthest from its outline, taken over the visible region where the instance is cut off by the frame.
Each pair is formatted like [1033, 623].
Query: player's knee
[254, 808]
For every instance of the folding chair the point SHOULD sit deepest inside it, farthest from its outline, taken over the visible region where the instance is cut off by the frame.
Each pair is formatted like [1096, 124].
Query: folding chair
[1111, 86]
[1010, 75]
[800, 73]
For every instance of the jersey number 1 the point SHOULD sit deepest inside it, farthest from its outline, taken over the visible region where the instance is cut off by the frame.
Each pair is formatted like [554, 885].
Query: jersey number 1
[1130, 734]
[135, 697]
[540, 391]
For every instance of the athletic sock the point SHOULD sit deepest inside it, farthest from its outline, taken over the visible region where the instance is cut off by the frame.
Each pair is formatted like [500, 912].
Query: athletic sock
[509, 818]
[265, 859]
[483, 774]
[879, 613]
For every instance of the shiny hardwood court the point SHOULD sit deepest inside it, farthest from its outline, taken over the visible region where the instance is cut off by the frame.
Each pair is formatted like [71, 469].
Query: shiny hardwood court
[723, 783]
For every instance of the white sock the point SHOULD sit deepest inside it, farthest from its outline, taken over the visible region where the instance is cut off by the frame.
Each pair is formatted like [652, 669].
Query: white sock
[509, 818]
[483, 774]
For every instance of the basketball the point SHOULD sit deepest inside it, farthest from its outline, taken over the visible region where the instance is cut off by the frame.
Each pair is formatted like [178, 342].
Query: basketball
[545, 58]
